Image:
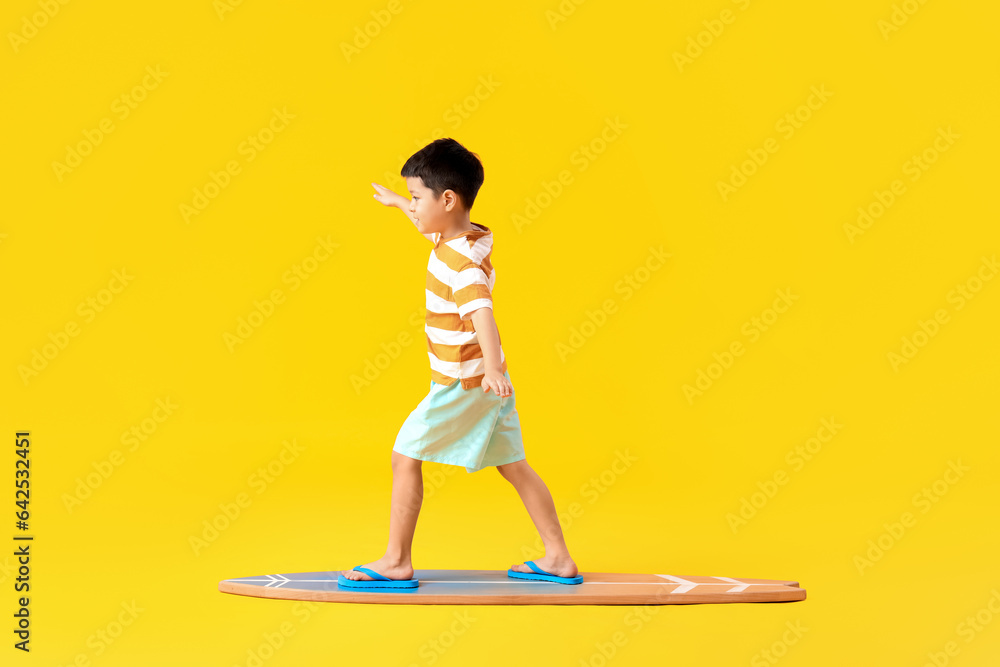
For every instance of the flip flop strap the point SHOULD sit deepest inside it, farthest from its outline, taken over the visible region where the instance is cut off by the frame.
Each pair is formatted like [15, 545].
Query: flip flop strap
[537, 570]
[372, 573]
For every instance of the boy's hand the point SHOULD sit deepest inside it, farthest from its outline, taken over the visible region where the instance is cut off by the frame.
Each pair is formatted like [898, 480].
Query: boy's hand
[388, 197]
[498, 383]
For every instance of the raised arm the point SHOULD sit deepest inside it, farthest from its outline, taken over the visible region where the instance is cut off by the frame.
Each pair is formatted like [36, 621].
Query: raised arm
[386, 196]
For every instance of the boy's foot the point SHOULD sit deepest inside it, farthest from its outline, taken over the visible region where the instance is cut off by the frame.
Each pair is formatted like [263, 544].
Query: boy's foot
[385, 567]
[561, 567]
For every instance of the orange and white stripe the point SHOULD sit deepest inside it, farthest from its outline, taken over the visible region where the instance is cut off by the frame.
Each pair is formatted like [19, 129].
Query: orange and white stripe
[460, 279]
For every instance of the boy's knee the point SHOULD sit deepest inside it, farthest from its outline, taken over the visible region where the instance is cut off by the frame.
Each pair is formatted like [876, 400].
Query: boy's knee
[509, 469]
[404, 460]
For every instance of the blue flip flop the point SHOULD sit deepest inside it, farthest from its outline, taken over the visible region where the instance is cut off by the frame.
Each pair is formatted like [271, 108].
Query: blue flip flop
[542, 575]
[379, 580]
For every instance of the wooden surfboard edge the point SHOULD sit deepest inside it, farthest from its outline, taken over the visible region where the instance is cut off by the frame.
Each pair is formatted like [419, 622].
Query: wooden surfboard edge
[337, 594]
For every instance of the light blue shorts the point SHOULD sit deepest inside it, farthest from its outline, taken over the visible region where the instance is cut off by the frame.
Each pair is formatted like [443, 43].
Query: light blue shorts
[463, 427]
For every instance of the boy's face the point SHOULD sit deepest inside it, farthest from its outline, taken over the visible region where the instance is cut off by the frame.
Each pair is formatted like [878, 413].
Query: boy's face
[429, 212]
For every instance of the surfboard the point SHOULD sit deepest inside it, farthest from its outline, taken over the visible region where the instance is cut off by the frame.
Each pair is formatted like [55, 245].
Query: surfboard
[495, 587]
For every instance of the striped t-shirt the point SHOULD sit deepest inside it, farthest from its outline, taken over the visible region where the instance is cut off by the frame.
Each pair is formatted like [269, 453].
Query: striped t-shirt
[460, 280]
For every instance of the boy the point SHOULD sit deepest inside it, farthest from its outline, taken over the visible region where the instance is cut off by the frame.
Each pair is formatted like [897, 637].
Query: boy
[457, 423]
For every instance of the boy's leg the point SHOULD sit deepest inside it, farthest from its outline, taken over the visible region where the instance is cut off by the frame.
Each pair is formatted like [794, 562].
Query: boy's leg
[407, 496]
[538, 501]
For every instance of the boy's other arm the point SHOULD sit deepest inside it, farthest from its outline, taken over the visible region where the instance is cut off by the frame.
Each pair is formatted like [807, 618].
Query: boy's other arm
[390, 198]
[489, 338]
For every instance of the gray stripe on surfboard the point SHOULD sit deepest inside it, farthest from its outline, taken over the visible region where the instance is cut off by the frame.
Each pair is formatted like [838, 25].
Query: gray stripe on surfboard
[683, 585]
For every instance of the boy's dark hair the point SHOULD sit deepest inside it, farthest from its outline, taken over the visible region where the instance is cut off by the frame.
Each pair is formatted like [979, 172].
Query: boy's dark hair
[445, 164]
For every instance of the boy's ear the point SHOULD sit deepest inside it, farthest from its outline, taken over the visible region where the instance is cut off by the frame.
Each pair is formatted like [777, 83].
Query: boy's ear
[452, 199]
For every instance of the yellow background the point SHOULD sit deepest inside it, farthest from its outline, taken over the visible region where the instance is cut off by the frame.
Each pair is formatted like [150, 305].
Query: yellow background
[554, 87]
